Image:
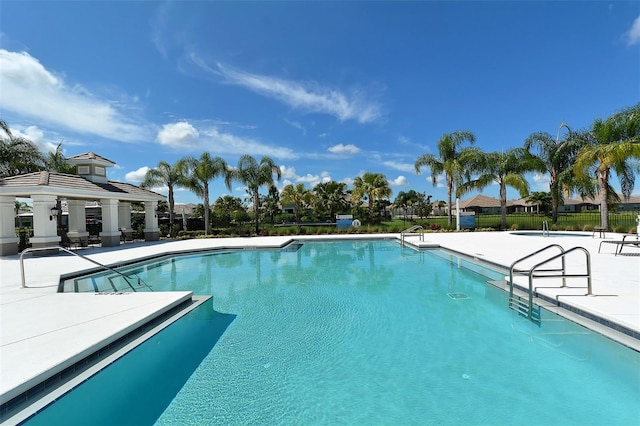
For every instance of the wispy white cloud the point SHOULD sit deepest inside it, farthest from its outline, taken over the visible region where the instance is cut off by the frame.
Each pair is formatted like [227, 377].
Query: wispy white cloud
[36, 135]
[183, 135]
[403, 167]
[158, 24]
[290, 176]
[304, 96]
[137, 176]
[633, 34]
[288, 172]
[297, 125]
[348, 181]
[541, 181]
[30, 90]
[180, 134]
[440, 180]
[344, 149]
[399, 181]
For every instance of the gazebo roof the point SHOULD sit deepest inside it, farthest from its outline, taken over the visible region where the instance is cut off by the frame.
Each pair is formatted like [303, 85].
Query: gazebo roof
[73, 186]
[91, 157]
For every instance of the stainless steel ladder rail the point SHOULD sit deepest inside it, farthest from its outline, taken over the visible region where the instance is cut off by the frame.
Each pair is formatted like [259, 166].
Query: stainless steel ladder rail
[516, 304]
[544, 273]
[412, 230]
[31, 250]
[545, 228]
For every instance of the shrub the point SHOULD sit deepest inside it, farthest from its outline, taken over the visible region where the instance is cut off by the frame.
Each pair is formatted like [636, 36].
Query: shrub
[514, 227]
[620, 229]
[587, 228]
[174, 230]
[435, 227]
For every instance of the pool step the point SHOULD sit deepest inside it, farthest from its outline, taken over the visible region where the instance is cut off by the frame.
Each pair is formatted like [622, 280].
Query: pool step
[521, 306]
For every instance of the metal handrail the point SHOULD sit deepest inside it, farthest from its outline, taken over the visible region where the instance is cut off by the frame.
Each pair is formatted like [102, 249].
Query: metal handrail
[411, 230]
[513, 265]
[30, 250]
[564, 275]
[545, 228]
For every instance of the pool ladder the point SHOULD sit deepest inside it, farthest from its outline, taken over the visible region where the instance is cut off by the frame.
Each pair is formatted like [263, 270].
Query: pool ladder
[412, 231]
[524, 306]
[545, 228]
[140, 281]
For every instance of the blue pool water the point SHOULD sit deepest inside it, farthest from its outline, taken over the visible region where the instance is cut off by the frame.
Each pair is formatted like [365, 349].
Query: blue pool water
[354, 332]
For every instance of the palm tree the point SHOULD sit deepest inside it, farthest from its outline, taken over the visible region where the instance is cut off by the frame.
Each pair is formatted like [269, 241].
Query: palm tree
[57, 162]
[330, 198]
[372, 187]
[171, 176]
[298, 196]
[200, 172]
[448, 163]
[504, 168]
[20, 206]
[609, 144]
[254, 175]
[542, 199]
[18, 155]
[408, 199]
[271, 203]
[558, 157]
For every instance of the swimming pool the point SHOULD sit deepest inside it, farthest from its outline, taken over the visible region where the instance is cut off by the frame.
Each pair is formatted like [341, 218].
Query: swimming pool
[354, 332]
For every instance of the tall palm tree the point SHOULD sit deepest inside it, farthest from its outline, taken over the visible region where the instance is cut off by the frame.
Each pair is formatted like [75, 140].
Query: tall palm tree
[609, 144]
[330, 198]
[200, 172]
[20, 206]
[171, 176]
[271, 203]
[298, 196]
[405, 200]
[254, 175]
[372, 187]
[504, 168]
[448, 163]
[558, 157]
[57, 162]
[18, 155]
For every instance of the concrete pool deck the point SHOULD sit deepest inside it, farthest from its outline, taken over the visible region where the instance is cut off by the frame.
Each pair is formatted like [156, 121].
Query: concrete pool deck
[42, 331]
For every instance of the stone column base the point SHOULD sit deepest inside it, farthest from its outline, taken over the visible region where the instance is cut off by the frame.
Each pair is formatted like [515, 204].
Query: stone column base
[9, 246]
[45, 242]
[110, 239]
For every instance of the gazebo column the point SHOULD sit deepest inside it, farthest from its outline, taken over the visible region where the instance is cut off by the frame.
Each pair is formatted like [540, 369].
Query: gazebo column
[124, 215]
[45, 229]
[77, 220]
[110, 234]
[124, 220]
[8, 239]
[151, 230]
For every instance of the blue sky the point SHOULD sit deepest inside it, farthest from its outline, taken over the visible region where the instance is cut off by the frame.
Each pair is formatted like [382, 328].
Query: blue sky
[329, 90]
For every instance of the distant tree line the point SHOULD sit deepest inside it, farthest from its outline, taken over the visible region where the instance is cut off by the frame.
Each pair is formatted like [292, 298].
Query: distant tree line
[578, 162]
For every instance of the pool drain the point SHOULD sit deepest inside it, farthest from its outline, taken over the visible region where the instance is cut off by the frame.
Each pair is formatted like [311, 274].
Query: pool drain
[456, 296]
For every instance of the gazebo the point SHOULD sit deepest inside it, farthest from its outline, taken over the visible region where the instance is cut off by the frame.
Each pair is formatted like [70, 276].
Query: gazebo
[89, 184]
